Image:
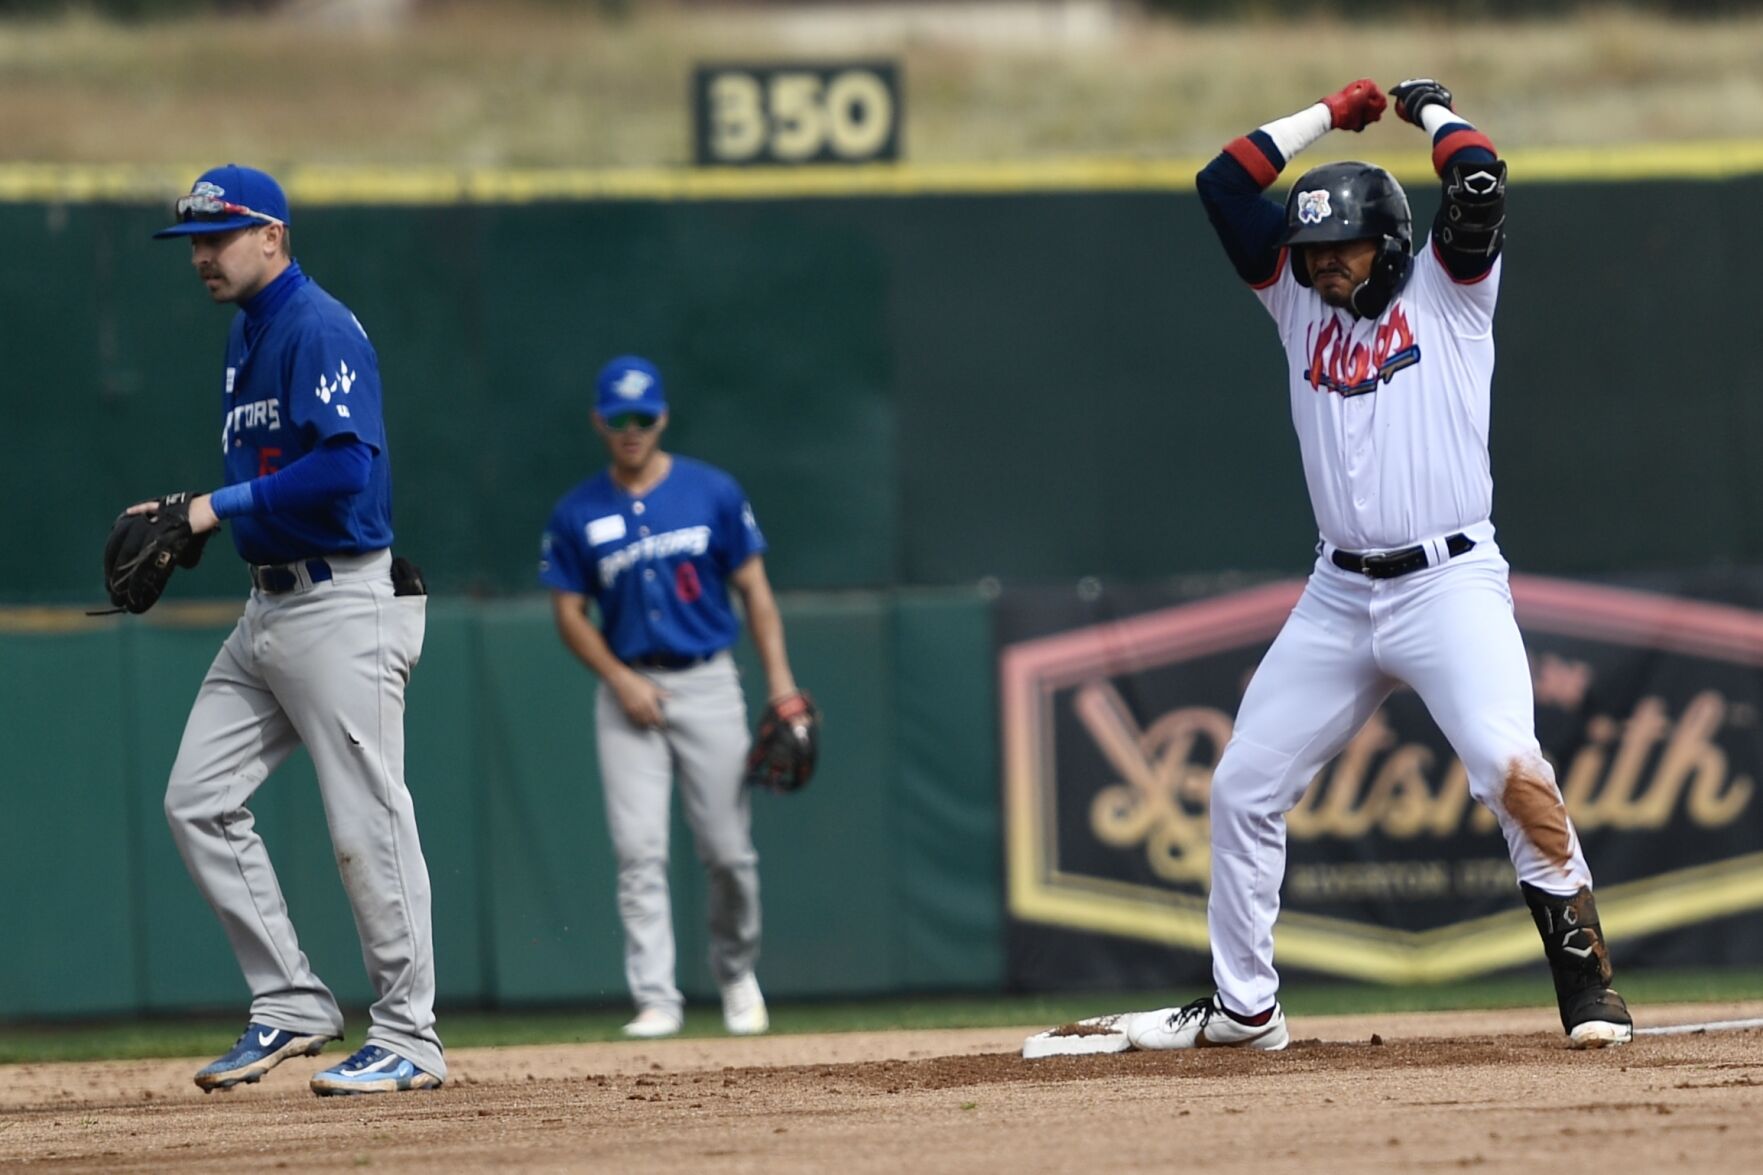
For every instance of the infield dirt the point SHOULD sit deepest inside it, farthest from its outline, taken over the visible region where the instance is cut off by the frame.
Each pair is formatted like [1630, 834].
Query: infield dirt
[1485, 1090]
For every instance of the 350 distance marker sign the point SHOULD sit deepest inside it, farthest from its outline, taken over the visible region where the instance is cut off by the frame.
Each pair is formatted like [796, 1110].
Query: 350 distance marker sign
[846, 113]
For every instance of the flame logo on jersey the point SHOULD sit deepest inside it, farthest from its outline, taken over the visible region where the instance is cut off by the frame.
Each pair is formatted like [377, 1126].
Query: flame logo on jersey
[1352, 369]
[1313, 207]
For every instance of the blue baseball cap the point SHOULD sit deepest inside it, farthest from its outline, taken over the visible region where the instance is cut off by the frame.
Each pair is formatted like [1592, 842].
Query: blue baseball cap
[629, 383]
[229, 197]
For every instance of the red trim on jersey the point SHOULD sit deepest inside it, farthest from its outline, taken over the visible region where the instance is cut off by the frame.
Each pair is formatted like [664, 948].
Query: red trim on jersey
[1455, 142]
[1462, 281]
[1253, 159]
[1278, 268]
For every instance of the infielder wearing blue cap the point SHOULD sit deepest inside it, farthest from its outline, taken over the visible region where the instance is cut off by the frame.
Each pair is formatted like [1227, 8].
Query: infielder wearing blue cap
[320, 657]
[226, 198]
[654, 543]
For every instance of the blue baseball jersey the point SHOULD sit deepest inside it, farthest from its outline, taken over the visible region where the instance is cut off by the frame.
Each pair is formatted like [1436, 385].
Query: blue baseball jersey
[299, 371]
[658, 565]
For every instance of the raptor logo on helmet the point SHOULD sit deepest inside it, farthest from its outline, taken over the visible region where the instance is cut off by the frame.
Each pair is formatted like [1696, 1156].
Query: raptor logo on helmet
[1313, 206]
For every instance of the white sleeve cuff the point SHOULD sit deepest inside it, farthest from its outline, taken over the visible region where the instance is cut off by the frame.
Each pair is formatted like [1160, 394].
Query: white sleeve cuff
[1295, 132]
[1436, 116]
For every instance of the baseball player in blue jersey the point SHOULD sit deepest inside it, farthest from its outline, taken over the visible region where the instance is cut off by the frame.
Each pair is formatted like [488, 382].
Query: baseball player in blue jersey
[655, 542]
[320, 657]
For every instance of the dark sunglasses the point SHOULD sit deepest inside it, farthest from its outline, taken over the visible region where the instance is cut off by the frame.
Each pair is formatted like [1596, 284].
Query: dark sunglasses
[641, 421]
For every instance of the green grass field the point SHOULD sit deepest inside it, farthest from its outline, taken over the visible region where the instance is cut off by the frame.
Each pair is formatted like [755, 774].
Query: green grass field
[188, 1037]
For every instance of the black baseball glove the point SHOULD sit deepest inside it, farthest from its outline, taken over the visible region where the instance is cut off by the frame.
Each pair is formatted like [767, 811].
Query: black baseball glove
[784, 750]
[144, 549]
[1416, 94]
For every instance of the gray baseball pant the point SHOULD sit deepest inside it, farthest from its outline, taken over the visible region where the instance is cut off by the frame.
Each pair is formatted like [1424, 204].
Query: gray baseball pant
[705, 740]
[325, 665]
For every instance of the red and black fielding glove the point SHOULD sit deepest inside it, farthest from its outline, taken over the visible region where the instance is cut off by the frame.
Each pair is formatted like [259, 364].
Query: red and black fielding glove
[1355, 106]
[1415, 95]
[786, 746]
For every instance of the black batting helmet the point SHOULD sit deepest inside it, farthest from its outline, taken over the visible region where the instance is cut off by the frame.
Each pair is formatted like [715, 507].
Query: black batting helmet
[1352, 201]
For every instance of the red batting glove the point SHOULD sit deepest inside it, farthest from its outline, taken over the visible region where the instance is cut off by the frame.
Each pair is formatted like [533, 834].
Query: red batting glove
[1357, 106]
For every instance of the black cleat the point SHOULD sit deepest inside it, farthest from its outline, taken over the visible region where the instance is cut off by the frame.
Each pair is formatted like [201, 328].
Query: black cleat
[1594, 1015]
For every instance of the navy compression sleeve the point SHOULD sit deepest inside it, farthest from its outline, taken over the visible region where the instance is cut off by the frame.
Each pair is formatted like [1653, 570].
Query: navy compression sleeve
[1247, 223]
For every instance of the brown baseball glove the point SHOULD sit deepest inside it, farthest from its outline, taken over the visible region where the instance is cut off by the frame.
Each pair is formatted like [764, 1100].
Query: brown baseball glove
[786, 746]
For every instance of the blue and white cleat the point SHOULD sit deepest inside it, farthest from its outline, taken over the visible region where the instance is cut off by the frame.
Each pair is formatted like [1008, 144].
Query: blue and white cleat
[258, 1050]
[374, 1069]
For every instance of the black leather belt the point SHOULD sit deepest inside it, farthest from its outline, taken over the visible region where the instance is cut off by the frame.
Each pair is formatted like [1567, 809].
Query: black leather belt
[1390, 564]
[281, 577]
[666, 661]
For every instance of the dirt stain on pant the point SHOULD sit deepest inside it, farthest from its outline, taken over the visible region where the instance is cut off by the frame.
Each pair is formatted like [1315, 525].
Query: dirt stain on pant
[1532, 799]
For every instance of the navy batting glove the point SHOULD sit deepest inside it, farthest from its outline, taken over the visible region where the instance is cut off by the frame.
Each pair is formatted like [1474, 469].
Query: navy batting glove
[1416, 94]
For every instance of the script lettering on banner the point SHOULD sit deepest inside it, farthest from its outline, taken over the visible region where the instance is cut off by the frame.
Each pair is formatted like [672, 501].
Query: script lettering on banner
[1647, 706]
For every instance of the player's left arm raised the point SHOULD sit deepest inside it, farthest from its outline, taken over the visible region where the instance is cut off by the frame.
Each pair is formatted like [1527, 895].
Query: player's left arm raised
[1469, 230]
[1231, 186]
[766, 625]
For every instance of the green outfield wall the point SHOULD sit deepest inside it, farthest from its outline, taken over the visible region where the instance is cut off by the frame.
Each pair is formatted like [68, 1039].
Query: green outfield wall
[915, 390]
[926, 381]
[882, 876]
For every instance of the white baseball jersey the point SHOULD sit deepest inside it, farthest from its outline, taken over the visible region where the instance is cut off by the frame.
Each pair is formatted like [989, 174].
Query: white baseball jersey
[1392, 414]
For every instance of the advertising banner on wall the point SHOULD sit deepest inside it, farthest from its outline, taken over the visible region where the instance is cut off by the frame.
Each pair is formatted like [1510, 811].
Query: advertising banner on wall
[1117, 703]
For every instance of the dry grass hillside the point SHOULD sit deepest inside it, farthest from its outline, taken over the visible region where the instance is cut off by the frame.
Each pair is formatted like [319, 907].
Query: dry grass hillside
[512, 84]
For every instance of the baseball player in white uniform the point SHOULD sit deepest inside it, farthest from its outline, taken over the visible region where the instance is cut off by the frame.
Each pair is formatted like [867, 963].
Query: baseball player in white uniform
[1390, 355]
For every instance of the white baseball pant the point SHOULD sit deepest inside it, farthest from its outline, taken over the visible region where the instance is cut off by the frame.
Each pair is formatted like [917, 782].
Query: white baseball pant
[1448, 632]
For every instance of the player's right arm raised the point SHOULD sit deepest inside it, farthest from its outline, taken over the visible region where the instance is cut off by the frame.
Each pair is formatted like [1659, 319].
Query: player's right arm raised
[1231, 186]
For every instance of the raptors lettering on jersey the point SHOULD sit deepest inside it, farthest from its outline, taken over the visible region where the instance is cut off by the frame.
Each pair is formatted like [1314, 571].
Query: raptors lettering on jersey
[692, 540]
